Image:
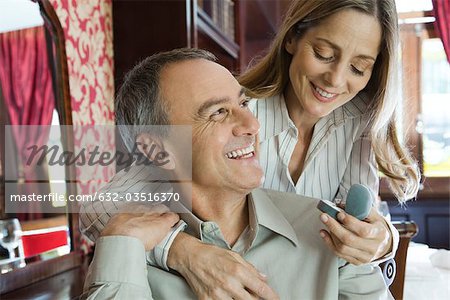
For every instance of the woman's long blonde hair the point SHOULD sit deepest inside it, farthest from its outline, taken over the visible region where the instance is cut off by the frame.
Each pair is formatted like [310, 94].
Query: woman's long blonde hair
[270, 77]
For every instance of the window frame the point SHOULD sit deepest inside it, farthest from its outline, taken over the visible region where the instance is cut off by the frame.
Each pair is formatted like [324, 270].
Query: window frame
[411, 36]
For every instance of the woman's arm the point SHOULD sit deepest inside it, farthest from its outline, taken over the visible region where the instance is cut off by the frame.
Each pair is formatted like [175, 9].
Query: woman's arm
[112, 274]
[371, 240]
[216, 273]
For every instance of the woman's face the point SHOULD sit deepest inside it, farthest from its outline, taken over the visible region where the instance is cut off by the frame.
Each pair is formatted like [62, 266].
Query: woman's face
[331, 63]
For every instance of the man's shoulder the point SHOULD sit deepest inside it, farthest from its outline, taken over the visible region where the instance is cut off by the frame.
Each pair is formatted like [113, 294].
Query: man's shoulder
[290, 199]
[303, 217]
[295, 208]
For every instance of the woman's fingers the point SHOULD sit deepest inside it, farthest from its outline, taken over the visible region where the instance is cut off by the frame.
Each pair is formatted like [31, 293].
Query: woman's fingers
[360, 241]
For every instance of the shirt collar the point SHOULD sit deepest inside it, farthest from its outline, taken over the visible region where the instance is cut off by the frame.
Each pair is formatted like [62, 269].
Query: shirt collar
[276, 106]
[194, 224]
[356, 107]
[269, 216]
[262, 212]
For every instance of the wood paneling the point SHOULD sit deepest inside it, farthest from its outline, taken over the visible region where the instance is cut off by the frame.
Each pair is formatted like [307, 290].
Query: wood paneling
[37, 271]
[65, 285]
[259, 22]
[142, 28]
[437, 230]
[431, 216]
[411, 77]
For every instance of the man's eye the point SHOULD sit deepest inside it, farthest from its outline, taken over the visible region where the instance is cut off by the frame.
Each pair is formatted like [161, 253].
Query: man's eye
[245, 103]
[219, 113]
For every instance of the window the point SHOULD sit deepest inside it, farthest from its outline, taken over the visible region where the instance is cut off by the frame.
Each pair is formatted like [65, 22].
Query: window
[416, 5]
[435, 109]
[425, 82]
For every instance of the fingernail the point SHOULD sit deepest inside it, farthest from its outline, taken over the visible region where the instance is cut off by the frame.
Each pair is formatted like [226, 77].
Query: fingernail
[322, 234]
[262, 274]
[341, 216]
[324, 218]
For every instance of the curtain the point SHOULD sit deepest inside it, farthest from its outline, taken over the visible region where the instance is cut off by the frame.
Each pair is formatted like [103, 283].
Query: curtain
[441, 10]
[26, 83]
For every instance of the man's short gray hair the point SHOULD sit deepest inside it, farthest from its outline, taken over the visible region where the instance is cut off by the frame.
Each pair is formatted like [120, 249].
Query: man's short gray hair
[139, 101]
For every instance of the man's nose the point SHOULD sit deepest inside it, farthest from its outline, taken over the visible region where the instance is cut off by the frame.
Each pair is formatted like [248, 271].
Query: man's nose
[336, 76]
[246, 124]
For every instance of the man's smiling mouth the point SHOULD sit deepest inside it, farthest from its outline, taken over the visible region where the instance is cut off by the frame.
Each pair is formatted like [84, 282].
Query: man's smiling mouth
[241, 153]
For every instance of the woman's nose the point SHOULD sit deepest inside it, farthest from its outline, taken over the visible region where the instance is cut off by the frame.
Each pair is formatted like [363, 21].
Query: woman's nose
[336, 76]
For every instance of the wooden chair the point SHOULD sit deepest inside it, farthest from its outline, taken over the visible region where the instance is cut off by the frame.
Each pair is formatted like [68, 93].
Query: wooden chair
[407, 230]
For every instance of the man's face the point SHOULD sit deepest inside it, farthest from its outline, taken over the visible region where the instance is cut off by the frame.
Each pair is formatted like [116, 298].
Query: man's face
[205, 95]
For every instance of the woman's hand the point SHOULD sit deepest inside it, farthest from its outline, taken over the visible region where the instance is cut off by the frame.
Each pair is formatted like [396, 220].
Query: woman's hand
[216, 273]
[150, 225]
[358, 242]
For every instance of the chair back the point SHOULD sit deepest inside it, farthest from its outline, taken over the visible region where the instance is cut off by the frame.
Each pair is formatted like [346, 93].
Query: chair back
[407, 230]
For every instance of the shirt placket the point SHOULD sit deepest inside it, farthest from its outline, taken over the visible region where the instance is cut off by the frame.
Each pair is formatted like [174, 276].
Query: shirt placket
[288, 140]
[211, 234]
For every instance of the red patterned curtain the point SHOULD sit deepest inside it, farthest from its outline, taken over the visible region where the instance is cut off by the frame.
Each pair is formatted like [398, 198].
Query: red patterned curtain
[27, 88]
[25, 77]
[441, 10]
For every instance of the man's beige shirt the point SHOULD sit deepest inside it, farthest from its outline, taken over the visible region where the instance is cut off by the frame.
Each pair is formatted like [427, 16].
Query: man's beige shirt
[281, 241]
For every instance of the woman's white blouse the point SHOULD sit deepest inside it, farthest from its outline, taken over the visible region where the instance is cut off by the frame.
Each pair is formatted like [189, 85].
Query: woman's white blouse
[339, 155]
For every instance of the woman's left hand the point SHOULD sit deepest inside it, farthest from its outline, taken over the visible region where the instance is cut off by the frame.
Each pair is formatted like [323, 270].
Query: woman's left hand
[358, 242]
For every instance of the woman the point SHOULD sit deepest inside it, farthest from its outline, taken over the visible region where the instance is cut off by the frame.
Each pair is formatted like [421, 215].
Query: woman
[272, 78]
[326, 110]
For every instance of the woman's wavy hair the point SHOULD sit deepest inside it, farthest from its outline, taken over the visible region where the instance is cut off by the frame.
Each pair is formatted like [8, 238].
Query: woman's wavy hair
[270, 76]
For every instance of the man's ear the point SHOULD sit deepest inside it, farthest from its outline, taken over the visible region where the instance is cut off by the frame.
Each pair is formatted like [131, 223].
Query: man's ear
[291, 44]
[153, 148]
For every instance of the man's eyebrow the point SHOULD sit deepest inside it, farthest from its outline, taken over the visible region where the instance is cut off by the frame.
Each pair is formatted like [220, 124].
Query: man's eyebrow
[216, 101]
[242, 91]
[336, 47]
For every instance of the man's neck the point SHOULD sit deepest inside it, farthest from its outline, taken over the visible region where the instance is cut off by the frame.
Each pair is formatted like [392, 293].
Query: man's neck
[228, 210]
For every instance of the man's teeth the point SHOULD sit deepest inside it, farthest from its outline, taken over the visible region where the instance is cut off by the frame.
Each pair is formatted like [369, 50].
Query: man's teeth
[323, 93]
[241, 153]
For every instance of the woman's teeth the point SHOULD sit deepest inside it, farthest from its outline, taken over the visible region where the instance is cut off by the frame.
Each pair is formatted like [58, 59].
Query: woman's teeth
[323, 93]
[241, 153]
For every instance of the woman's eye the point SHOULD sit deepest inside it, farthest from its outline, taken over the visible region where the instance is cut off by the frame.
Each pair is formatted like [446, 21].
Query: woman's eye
[356, 71]
[323, 57]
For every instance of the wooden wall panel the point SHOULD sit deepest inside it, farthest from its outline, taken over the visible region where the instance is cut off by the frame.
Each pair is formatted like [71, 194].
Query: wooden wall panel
[432, 218]
[142, 28]
[437, 226]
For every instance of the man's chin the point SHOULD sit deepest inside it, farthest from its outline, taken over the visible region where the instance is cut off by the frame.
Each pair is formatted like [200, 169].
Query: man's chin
[249, 186]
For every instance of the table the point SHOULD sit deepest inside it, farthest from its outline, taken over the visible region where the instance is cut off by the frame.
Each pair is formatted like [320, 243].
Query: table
[422, 279]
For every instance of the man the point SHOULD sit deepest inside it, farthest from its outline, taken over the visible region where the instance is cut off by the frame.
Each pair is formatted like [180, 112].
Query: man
[275, 232]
